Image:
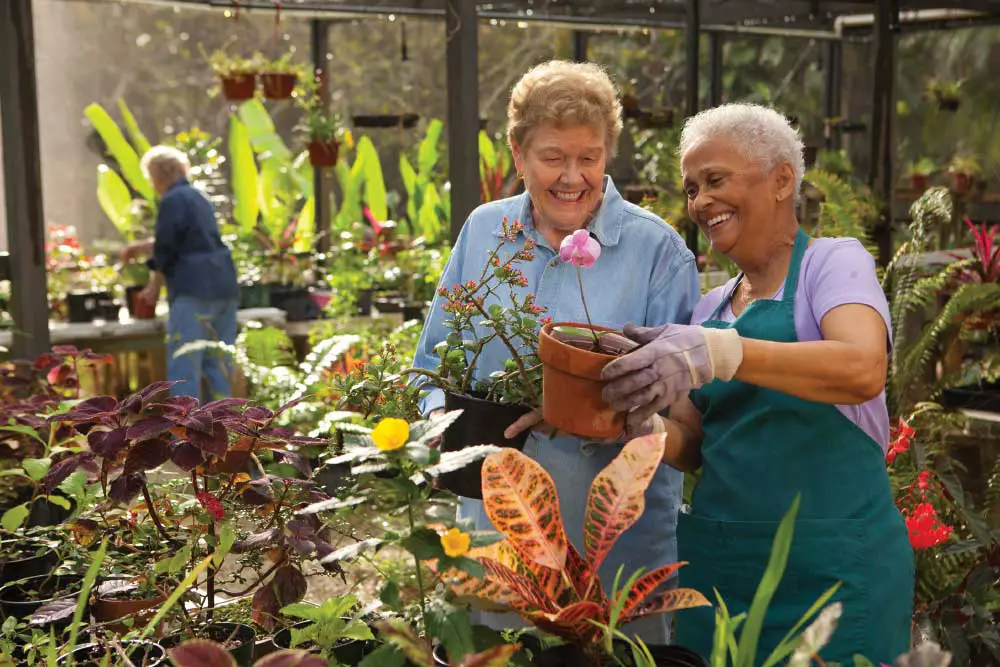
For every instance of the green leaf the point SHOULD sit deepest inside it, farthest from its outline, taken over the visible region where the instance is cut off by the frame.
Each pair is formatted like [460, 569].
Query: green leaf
[23, 430]
[260, 130]
[424, 544]
[120, 150]
[484, 538]
[427, 154]
[227, 537]
[454, 628]
[305, 228]
[179, 560]
[386, 655]
[367, 162]
[410, 185]
[182, 587]
[768, 585]
[487, 154]
[115, 200]
[14, 517]
[357, 629]
[977, 524]
[81, 601]
[36, 468]
[242, 176]
[390, 593]
[139, 140]
[429, 222]
[862, 661]
[60, 501]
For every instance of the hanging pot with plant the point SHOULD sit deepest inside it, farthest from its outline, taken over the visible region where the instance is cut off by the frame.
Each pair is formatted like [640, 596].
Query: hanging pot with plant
[237, 75]
[278, 78]
[964, 170]
[945, 94]
[919, 172]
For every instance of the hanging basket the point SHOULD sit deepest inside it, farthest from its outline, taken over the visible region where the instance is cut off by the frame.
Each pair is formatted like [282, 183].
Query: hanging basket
[239, 86]
[278, 85]
[323, 152]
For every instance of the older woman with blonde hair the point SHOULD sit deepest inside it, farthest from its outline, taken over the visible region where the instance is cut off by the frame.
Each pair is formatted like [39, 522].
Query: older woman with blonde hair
[776, 391]
[187, 251]
[564, 120]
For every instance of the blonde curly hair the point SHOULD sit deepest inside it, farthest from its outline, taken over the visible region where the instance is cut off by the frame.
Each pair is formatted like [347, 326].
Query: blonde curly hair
[564, 93]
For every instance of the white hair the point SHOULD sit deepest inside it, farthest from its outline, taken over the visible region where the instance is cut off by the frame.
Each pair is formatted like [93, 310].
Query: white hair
[165, 165]
[759, 133]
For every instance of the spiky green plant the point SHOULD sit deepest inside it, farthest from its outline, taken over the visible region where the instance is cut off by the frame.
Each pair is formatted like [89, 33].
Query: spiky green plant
[847, 208]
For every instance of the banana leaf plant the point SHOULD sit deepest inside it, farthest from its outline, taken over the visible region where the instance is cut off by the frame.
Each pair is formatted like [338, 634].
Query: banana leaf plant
[427, 212]
[362, 184]
[539, 574]
[494, 166]
[273, 203]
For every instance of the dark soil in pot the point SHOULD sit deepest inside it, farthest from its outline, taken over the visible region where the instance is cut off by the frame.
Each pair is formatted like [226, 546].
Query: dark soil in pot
[140, 654]
[255, 296]
[482, 423]
[295, 301]
[236, 638]
[29, 561]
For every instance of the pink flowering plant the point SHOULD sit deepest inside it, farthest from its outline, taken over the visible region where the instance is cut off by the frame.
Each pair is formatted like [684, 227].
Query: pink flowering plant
[493, 307]
[582, 250]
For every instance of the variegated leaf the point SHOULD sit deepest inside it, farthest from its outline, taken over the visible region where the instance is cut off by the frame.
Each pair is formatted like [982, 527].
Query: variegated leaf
[532, 597]
[452, 461]
[488, 591]
[617, 496]
[351, 550]
[521, 500]
[645, 586]
[425, 432]
[572, 623]
[673, 600]
[498, 656]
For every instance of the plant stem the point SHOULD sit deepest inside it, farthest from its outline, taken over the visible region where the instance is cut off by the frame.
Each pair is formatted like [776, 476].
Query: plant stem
[515, 354]
[420, 578]
[153, 515]
[211, 579]
[579, 280]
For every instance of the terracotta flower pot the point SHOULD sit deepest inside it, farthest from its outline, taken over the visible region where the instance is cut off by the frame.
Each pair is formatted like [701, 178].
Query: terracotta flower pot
[239, 86]
[137, 308]
[323, 152]
[111, 609]
[572, 385]
[962, 183]
[278, 85]
[920, 182]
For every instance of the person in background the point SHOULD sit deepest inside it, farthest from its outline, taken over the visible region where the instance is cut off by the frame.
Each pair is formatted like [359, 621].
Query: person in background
[777, 390]
[564, 120]
[187, 253]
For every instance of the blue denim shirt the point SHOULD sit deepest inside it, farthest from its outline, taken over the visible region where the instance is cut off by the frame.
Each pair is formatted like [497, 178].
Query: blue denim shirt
[188, 249]
[644, 275]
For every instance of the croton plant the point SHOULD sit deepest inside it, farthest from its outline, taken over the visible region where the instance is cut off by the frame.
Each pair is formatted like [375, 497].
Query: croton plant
[539, 574]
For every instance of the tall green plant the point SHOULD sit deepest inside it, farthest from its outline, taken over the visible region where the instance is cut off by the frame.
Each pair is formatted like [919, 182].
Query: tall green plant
[424, 207]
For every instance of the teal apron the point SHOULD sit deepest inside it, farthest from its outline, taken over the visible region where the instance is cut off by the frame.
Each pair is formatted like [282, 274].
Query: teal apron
[762, 447]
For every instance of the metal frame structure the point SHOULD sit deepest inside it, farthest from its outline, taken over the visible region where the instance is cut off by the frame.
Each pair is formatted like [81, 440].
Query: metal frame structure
[830, 20]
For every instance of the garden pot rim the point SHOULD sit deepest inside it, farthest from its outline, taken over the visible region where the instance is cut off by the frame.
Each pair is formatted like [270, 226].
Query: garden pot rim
[552, 351]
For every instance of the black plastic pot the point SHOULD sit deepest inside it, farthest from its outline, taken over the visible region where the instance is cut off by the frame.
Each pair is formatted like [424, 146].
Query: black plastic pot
[85, 306]
[46, 513]
[29, 566]
[389, 303]
[109, 309]
[295, 301]
[255, 296]
[351, 652]
[984, 397]
[140, 654]
[23, 598]
[413, 311]
[364, 301]
[333, 478]
[481, 423]
[221, 633]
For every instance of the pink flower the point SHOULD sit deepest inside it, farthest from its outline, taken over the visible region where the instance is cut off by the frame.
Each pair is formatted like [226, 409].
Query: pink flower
[580, 249]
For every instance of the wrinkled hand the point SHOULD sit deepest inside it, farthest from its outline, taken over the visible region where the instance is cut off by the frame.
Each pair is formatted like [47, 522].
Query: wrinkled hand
[150, 294]
[673, 360]
[533, 420]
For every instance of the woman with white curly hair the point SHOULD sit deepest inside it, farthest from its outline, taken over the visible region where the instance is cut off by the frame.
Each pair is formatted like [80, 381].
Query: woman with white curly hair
[776, 390]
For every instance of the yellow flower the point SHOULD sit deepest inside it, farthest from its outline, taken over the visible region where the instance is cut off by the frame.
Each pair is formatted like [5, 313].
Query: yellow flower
[348, 139]
[455, 543]
[390, 434]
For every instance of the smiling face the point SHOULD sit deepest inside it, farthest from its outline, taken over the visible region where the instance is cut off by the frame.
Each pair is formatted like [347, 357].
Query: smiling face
[733, 200]
[563, 170]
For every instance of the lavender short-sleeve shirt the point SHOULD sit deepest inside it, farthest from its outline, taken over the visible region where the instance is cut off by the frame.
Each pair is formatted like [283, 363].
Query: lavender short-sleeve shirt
[834, 272]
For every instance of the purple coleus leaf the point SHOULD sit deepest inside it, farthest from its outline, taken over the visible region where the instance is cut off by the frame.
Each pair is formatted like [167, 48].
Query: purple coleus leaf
[177, 406]
[126, 487]
[298, 461]
[155, 389]
[258, 415]
[257, 493]
[290, 404]
[64, 468]
[224, 406]
[186, 456]
[286, 587]
[291, 657]
[149, 427]
[215, 441]
[201, 653]
[56, 610]
[147, 455]
[107, 444]
[198, 421]
[96, 409]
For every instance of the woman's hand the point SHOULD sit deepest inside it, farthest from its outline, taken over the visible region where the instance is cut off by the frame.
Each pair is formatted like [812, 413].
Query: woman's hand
[150, 294]
[132, 250]
[673, 360]
[533, 420]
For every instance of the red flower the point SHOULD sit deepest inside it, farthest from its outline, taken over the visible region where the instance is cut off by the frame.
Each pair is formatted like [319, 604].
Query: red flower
[899, 440]
[925, 528]
[544, 320]
[212, 505]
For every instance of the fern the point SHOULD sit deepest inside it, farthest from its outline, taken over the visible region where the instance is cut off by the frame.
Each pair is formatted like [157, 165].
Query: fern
[846, 210]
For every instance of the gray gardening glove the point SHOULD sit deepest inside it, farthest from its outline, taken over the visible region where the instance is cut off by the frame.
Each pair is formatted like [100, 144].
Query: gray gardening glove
[673, 360]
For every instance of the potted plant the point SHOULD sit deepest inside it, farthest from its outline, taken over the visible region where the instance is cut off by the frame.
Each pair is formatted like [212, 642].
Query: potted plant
[135, 277]
[278, 77]
[332, 629]
[539, 574]
[237, 75]
[140, 653]
[322, 128]
[964, 169]
[493, 403]
[919, 172]
[574, 354]
[944, 94]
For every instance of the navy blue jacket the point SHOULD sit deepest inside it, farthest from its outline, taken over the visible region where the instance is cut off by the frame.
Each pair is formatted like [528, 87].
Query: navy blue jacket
[188, 249]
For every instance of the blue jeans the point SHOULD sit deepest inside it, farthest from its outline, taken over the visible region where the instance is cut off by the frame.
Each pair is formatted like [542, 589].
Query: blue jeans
[192, 319]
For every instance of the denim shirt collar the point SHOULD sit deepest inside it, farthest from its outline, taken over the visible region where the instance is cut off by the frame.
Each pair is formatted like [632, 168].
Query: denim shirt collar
[606, 225]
